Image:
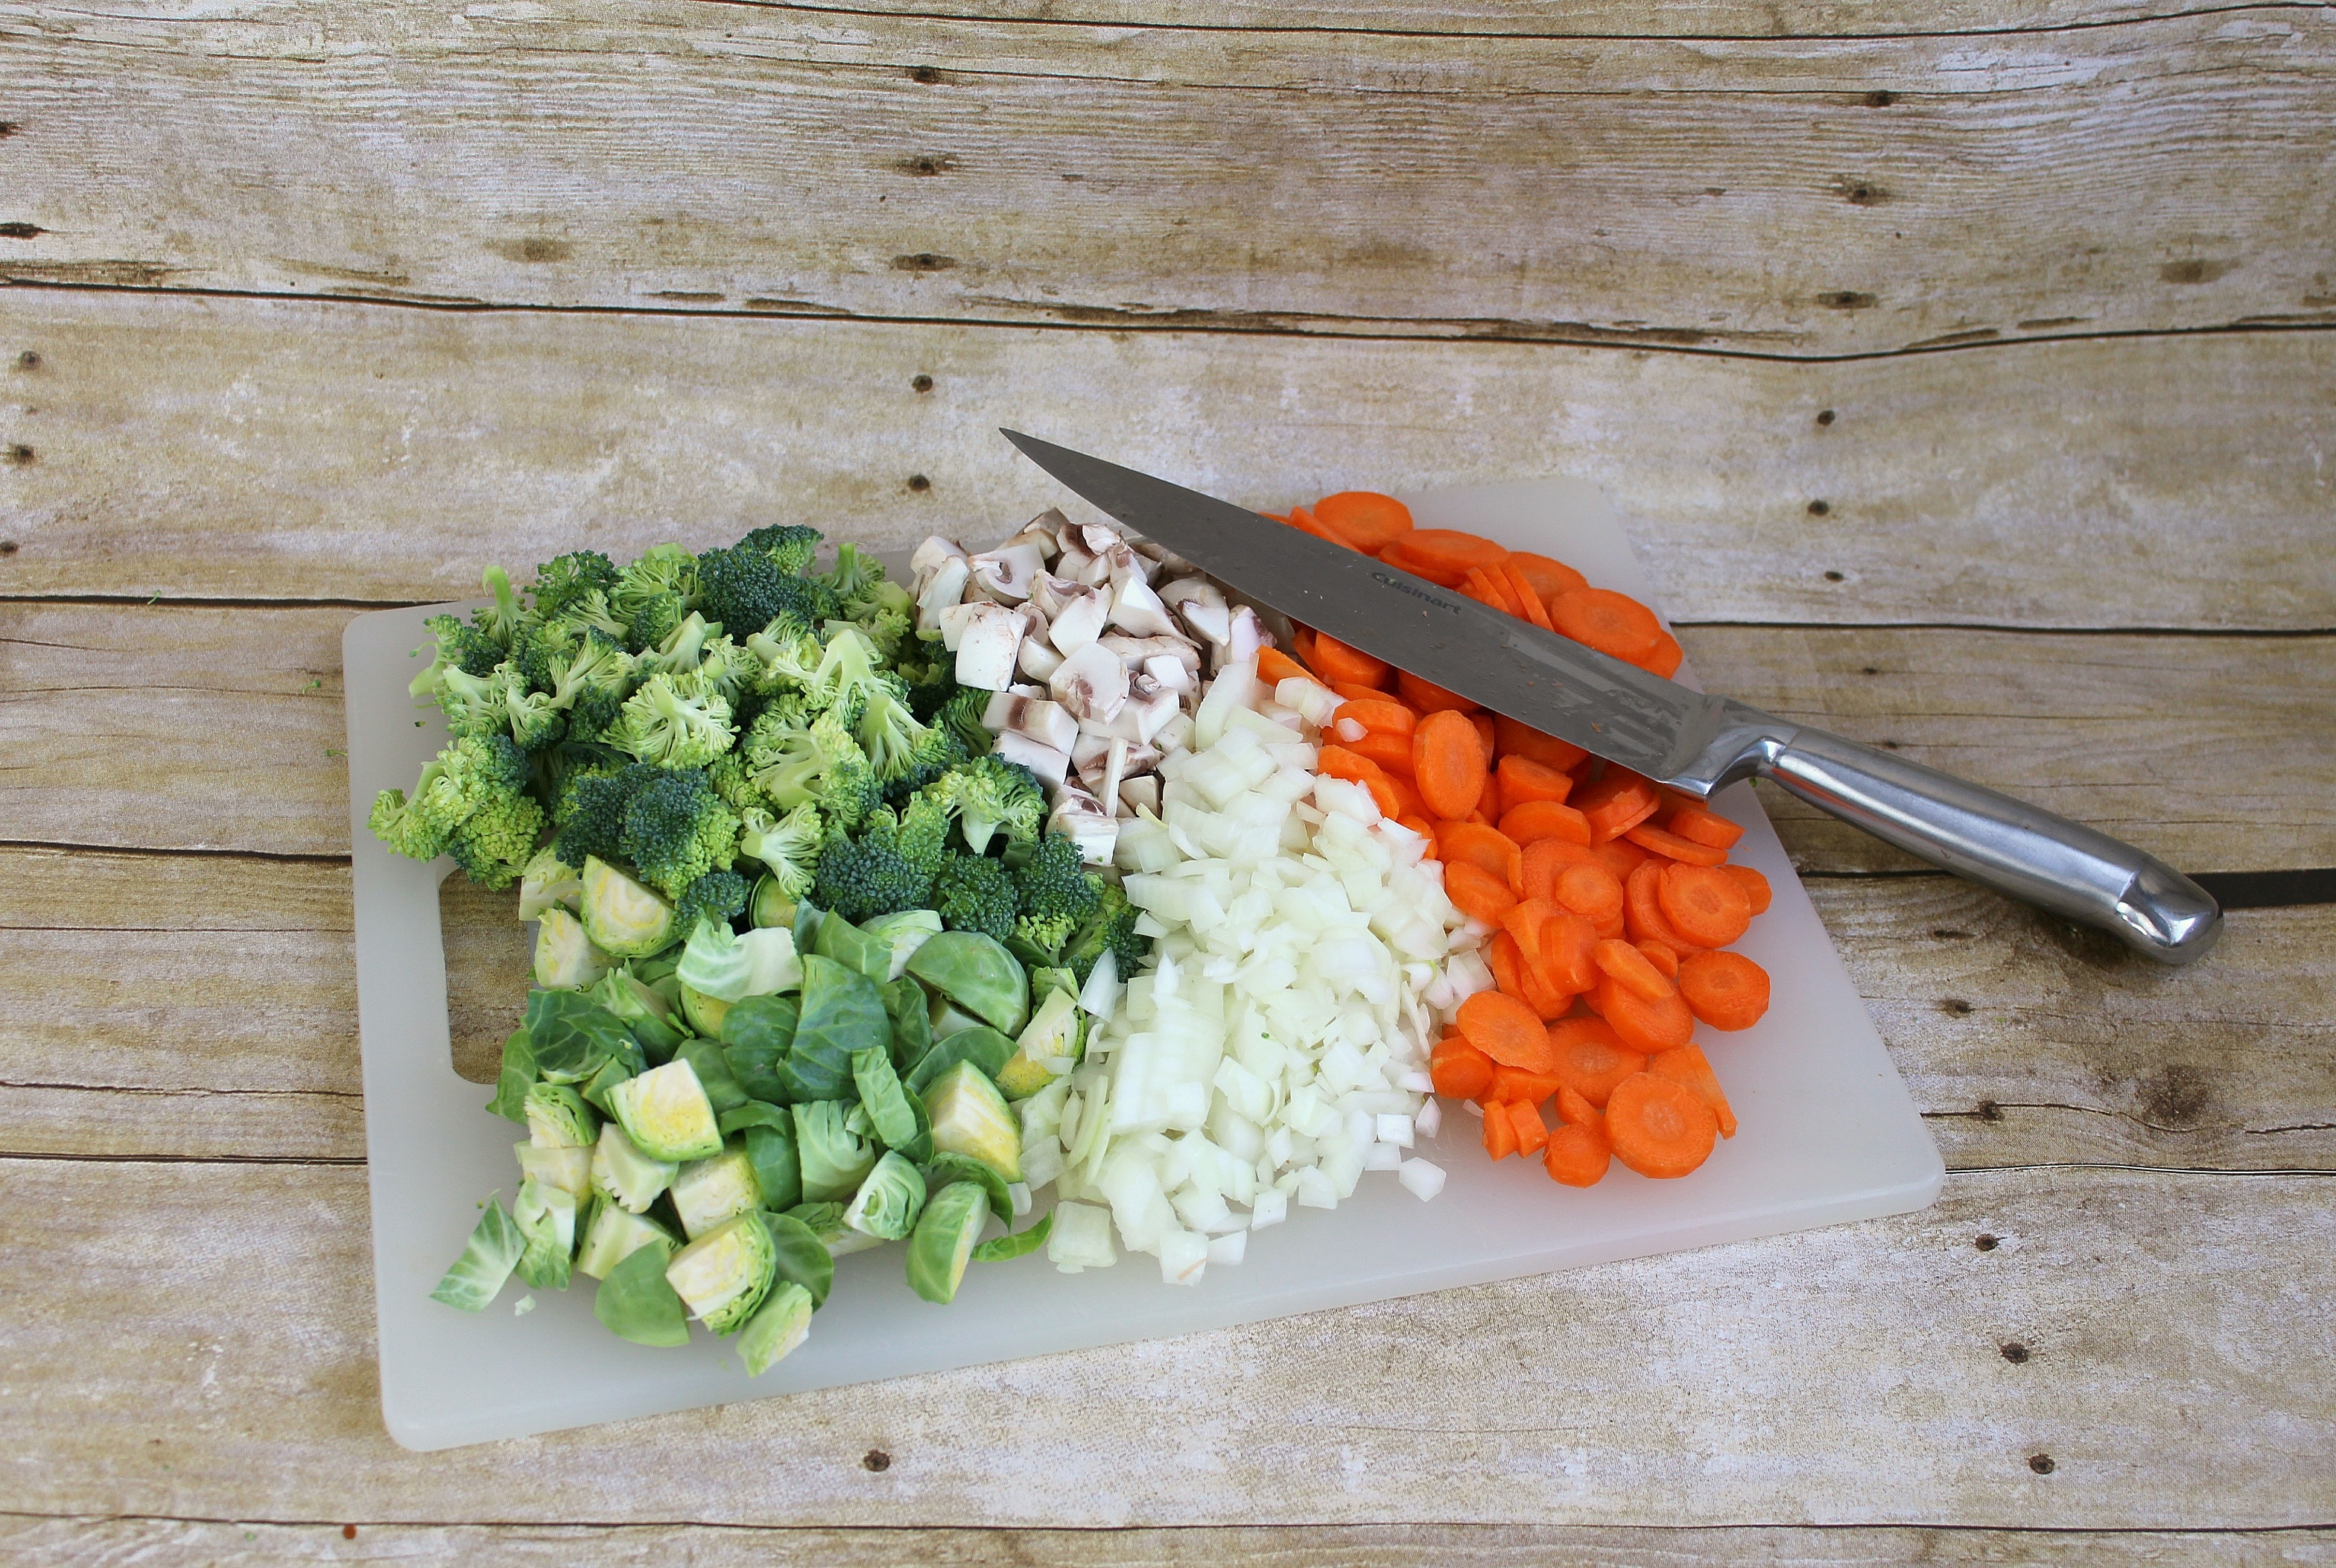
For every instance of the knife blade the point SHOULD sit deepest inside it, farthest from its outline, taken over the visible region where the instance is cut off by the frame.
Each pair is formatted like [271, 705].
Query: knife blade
[1672, 734]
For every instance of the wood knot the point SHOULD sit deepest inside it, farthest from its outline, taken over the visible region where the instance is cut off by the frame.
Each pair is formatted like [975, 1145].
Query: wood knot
[1881, 99]
[1836, 576]
[21, 231]
[2014, 1351]
[28, 360]
[1956, 1006]
[1985, 1242]
[925, 73]
[875, 1461]
[917, 481]
[920, 383]
[1847, 299]
[18, 455]
[2041, 1463]
[1824, 416]
[1819, 508]
[925, 165]
[923, 261]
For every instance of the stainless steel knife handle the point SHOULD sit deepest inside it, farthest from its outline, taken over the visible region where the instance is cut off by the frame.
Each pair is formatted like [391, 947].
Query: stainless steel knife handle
[2046, 860]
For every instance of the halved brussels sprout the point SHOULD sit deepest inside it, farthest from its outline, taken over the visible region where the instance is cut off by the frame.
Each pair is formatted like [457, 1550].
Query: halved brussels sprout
[982, 1045]
[826, 1221]
[488, 1259]
[665, 1112]
[594, 1089]
[1017, 1244]
[902, 935]
[802, 1257]
[776, 1166]
[977, 974]
[724, 1274]
[636, 1303]
[614, 1235]
[705, 1013]
[722, 1090]
[1049, 1047]
[886, 1100]
[769, 907]
[888, 1201]
[568, 1169]
[945, 1237]
[832, 1144]
[622, 917]
[557, 1118]
[969, 1117]
[782, 1323]
[516, 1077]
[548, 880]
[644, 1010]
[622, 1171]
[546, 1216]
[728, 968]
[565, 958]
[709, 1192]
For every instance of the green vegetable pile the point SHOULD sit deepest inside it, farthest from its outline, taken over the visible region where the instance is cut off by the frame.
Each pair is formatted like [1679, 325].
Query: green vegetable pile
[801, 939]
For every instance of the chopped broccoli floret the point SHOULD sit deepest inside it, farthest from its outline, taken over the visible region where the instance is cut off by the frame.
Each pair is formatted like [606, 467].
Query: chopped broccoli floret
[973, 893]
[676, 829]
[502, 619]
[591, 811]
[1054, 893]
[793, 763]
[499, 703]
[655, 593]
[681, 649]
[888, 867]
[471, 802]
[758, 582]
[889, 732]
[853, 574]
[723, 669]
[457, 647]
[989, 796]
[715, 896]
[733, 781]
[661, 724]
[787, 659]
[564, 579]
[790, 545]
[961, 716]
[851, 675]
[788, 845]
[1112, 930]
[567, 775]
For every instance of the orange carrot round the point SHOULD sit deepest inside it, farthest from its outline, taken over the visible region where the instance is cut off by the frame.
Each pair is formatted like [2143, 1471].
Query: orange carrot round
[1505, 1029]
[1370, 520]
[1380, 714]
[1512, 737]
[1620, 856]
[1643, 1024]
[1516, 1087]
[1529, 821]
[1353, 693]
[1532, 1133]
[1477, 893]
[1418, 823]
[1427, 697]
[1592, 1059]
[1590, 891]
[1532, 605]
[1689, 1068]
[1441, 555]
[1660, 1128]
[1336, 660]
[1447, 764]
[1491, 589]
[1545, 858]
[1523, 779]
[1612, 623]
[1576, 1112]
[1459, 1068]
[1500, 1132]
[1306, 521]
[1664, 659]
[1704, 826]
[1577, 1156]
[1671, 846]
[1616, 804]
[1391, 752]
[1507, 963]
[1482, 846]
[1630, 970]
[1664, 957]
[1642, 911]
[1568, 947]
[1549, 578]
[1704, 904]
[1725, 991]
[1407, 802]
[1274, 667]
[1755, 886]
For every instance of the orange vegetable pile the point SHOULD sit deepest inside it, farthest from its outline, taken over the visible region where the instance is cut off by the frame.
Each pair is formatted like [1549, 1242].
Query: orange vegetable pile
[1611, 898]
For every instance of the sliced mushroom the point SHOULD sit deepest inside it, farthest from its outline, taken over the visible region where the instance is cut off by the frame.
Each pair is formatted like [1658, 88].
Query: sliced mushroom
[1091, 683]
[1172, 563]
[1100, 538]
[1010, 713]
[1150, 706]
[1082, 818]
[1077, 563]
[1249, 635]
[1140, 794]
[1171, 672]
[1081, 619]
[1036, 660]
[1136, 610]
[986, 645]
[1103, 779]
[1211, 622]
[1040, 758]
[1006, 573]
[1186, 590]
[1124, 564]
[1044, 530]
[943, 591]
[1088, 750]
[954, 618]
[930, 556]
[1136, 652]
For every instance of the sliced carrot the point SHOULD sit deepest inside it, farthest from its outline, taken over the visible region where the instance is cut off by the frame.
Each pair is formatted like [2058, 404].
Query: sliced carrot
[1517, 1087]
[1725, 991]
[1577, 1156]
[1418, 823]
[1704, 904]
[1660, 1128]
[1339, 662]
[1516, 738]
[1369, 519]
[1352, 693]
[1459, 1068]
[1477, 893]
[1441, 555]
[1407, 800]
[1505, 1029]
[1274, 667]
[1612, 623]
[1549, 578]
[1592, 1059]
[1482, 846]
[1532, 1133]
[1704, 826]
[1755, 886]
[1338, 762]
[1576, 1112]
[1489, 733]
[1664, 957]
[1669, 845]
[1687, 1067]
[1447, 764]
[1508, 966]
[1492, 589]
[1642, 910]
[1620, 856]
[1391, 752]
[1545, 859]
[1529, 821]
[1590, 891]
[1430, 698]
[1523, 779]
[1522, 924]
[1641, 1023]
[1306, 521]
[1616, 804]
[1629, 968]
[1301, 648]
[1532, 605]
[1380, 714]
[1665, 657]
[1500, 1132]
[1568, 947]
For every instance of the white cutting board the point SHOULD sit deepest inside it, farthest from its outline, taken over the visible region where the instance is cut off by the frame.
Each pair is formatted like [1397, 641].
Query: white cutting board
[1828, 1134]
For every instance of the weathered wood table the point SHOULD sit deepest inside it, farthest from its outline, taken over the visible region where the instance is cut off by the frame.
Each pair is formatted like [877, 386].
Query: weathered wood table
[1965, 370]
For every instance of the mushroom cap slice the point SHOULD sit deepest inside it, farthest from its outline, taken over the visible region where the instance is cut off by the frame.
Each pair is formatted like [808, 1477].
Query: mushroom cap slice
[1091, 683]
[987, 642]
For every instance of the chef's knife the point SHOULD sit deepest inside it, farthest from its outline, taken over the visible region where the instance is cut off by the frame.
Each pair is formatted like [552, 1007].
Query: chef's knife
[1654, 726]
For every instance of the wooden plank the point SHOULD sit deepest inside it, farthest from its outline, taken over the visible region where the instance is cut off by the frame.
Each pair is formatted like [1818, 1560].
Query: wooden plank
[1742, 194]
[89, 1542]
[250, 448]
[2174, 1375]
[166, 1006]
[140, 727]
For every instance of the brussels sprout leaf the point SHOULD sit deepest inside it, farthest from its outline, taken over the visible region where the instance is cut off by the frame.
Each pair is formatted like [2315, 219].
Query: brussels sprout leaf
[636, 1303]
[487, 1260]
